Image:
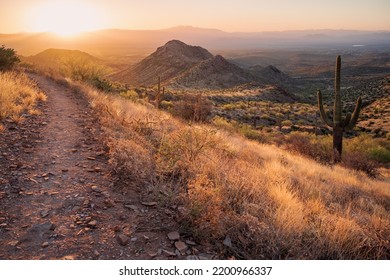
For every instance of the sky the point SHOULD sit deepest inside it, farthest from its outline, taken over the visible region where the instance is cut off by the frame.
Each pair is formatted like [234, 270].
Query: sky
[72, 16]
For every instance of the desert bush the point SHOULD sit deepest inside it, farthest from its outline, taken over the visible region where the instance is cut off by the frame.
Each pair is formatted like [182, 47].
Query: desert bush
[359, 161]
[287, 123]
[8, 58]
[318, 148]
[229, 107]
[166, 105]
[379, 154]
[130, 94]
[251, 133]
[179, 152]
[373, 149]
[80, 69]
[101, 84]
[192, 107]
[222, 123]
[362, 153]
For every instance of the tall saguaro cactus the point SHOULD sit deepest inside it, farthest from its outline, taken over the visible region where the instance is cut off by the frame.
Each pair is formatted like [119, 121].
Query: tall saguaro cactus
[339, 124]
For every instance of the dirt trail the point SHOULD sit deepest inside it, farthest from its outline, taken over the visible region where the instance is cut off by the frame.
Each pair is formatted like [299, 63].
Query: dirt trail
[57, 199]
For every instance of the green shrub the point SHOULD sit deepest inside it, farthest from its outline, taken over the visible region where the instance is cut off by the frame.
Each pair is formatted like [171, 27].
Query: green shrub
[166, 105]
[8, 58]
[101, 84]
[379, 154]
[229, 107]
[130, 94]
[265, 117]
[250, 133]
[287, 123]
[222, 123]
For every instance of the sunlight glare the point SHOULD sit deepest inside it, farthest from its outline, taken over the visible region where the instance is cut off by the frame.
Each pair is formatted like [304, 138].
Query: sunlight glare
[65, 18]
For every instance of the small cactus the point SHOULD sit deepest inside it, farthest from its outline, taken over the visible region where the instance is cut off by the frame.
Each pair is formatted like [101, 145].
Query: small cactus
[159, 94]
[339, 124]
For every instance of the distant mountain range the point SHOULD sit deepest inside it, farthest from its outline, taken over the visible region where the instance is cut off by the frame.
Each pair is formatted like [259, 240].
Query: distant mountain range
[114, 42]
[183, 66]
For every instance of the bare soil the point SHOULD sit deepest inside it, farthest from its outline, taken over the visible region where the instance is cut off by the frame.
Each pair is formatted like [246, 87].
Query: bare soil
[57, 196]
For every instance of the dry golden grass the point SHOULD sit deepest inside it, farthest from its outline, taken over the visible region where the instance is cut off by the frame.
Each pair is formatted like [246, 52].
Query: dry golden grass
[18, 95]
[272, 204]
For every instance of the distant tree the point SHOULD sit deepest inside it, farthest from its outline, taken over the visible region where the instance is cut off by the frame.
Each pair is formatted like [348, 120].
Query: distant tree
[8, 58]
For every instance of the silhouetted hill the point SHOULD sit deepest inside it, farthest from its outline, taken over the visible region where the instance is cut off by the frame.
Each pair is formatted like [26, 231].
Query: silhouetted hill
[167, 62]
[55, 58]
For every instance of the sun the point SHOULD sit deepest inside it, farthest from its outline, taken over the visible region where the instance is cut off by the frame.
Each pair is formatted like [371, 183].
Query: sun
[65, 18]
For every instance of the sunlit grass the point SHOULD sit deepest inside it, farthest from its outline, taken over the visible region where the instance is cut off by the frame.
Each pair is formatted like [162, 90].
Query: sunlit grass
[18, 95]
[271, 203]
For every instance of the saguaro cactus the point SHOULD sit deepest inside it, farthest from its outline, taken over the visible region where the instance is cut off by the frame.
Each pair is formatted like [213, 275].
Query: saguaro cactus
[339, 123]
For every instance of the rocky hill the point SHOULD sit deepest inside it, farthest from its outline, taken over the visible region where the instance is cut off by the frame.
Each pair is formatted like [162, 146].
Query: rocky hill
[183, 66]
[270, 74]
[214, 73]
[167, 62]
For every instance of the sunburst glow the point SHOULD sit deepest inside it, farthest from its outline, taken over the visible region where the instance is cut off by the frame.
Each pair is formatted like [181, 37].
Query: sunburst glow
[65, 18]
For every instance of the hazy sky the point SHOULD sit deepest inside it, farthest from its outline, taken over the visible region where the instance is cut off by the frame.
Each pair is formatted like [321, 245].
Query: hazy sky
[227, 15]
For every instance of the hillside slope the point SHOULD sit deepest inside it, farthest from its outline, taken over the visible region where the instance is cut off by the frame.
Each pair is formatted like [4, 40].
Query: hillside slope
[183, 66]
[213, 73]
[243, 198]
[166, 62]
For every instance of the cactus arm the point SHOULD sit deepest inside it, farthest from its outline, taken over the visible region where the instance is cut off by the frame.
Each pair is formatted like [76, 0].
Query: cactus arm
[159, 85]
[322, 110]
[337, 109]
[346, 120]
[355, 114]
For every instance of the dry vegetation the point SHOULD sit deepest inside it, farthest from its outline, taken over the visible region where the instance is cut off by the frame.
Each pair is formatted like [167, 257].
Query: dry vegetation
[18, 96]
[261, 200]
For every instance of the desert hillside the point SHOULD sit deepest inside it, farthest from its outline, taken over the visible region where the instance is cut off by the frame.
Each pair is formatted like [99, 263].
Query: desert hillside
[166, 62]
[192, 67]
[247, 199]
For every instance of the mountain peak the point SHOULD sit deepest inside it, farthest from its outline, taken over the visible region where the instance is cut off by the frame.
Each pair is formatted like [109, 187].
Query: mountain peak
[167, 62]
[178, 49]
[175, 43]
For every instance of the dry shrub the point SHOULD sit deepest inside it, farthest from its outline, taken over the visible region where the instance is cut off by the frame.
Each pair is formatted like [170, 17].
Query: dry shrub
[192, 107]
[203, 212]
[318, 148]
[179, 153]
[360, 162]
[131, 162]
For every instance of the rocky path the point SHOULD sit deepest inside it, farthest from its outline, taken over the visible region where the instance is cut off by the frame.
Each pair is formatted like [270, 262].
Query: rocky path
[57, 199]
